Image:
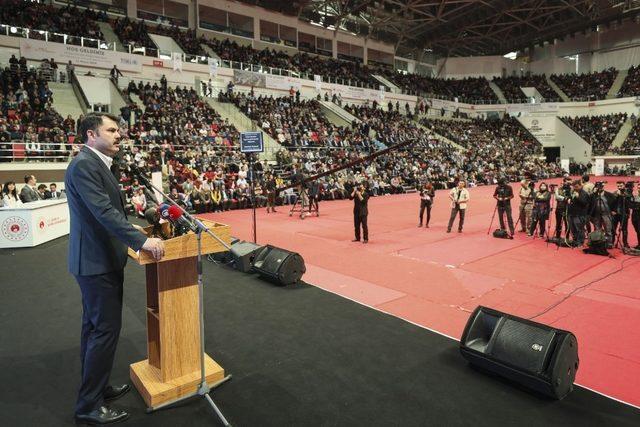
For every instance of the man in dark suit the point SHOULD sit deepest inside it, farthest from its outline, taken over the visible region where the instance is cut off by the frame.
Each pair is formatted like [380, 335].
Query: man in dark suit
[29, 192]
[53, 193]
[98, 241]
[360, 196]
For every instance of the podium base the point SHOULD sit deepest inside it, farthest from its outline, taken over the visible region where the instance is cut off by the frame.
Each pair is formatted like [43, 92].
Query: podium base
[148, 381]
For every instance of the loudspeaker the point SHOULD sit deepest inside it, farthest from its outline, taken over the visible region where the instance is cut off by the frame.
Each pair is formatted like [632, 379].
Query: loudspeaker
[539, 357]
[243, 254]
[279, 265]
[597, 244]
[499, 233]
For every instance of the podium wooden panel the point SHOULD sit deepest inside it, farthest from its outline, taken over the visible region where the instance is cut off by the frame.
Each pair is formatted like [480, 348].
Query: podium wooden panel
[172, 367]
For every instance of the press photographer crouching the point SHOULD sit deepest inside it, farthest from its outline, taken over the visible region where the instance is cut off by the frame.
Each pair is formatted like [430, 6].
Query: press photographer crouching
[541, 210]
[600, 211]
[503, 194]
[561, 194]
[578, 210]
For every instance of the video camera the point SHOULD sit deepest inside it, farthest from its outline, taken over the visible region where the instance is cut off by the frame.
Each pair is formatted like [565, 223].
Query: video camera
[598, 186]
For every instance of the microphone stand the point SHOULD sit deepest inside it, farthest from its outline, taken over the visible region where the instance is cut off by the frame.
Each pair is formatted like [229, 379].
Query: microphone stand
[197, 227]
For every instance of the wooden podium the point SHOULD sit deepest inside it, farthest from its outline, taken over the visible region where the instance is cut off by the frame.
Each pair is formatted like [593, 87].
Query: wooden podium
[172, 369]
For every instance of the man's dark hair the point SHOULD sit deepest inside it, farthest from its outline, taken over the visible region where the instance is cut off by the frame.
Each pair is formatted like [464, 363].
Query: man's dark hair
[42, 187]
[53, 184]
[585, 178]
[93, 121]
[27, 178]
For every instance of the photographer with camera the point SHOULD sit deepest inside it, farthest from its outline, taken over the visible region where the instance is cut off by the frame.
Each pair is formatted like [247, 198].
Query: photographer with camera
[503, 194]
[621, 210]
[526, 204]
[427, 195]
[541, 210]
[600, 211]
[635, 216]
[578, 210]
[561, 194]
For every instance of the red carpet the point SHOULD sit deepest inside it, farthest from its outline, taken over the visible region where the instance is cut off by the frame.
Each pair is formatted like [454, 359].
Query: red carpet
[435, 279]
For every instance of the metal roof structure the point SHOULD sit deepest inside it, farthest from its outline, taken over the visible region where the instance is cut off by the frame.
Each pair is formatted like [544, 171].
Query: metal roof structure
[459, 27]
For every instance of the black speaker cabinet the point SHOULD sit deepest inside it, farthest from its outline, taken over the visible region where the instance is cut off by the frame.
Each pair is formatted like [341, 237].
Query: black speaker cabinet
[243, 254]
[537, 356]
[279, 265]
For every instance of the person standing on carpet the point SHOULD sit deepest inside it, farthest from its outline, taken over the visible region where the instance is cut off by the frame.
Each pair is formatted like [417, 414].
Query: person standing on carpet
[427, 195]
[98, 241]
[360, 196]
[459, 198]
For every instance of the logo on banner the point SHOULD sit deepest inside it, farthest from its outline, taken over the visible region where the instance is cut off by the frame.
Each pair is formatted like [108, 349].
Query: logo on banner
[15, 229]
[42, 224]
[158, 63]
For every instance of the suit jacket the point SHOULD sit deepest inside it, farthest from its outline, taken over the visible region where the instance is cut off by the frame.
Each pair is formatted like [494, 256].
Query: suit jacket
[28, 194]
[100, 232]
[361, 207]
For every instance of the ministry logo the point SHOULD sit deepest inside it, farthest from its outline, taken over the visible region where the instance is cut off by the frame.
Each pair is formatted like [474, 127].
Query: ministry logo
[15, 229]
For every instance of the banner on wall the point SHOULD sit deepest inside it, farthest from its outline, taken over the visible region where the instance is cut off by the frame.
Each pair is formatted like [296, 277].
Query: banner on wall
[381, 92]
[564, 164]
[176, 57]
[282, 82]
[80, 56]
[599, 169]
[247, 78]
[213, 67]
[317, 80]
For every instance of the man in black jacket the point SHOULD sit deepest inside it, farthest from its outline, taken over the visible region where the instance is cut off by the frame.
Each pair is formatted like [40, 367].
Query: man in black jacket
[360, 196]
[98, 241]
[503, 194]
[621, 212]
[578, 210]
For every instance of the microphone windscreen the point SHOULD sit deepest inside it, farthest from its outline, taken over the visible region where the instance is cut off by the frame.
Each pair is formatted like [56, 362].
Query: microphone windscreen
[164, 211]
[151, 215]
[174, 212]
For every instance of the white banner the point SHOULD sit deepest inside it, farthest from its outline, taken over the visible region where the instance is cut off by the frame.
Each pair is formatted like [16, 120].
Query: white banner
[564, 164]
[599, 169]
[282, 82]
[176, 57]
[381, 93]
[317, 79]
[213, 67]
[80, 56]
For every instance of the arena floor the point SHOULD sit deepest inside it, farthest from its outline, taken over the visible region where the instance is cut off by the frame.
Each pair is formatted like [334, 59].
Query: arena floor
[435, 280]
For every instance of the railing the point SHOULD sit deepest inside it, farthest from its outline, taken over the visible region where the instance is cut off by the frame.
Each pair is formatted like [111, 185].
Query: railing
[77, 89]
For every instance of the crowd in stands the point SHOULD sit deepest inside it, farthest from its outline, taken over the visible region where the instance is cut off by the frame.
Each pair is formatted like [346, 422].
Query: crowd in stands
[132, 32]
[631, 145]
[598, 131]
[26, 114]
[511, 87]
[38, 16]
[631, 84]
[496, 146]
[471, 90]
[586, 86]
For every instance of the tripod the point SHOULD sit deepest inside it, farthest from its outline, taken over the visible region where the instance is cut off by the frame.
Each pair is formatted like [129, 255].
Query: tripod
[198, 228]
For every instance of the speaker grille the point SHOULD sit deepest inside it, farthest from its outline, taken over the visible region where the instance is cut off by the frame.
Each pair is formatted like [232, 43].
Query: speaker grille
[523, 345]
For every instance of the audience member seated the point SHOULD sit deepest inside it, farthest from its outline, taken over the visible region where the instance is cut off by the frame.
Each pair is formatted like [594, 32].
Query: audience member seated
[590, 86]
[511, 88]
[599, 131]
[133, 32]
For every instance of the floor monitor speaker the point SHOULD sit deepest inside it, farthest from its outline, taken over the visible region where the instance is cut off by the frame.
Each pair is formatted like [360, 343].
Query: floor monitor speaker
[540, 357]
[243, 254]
[279, 265]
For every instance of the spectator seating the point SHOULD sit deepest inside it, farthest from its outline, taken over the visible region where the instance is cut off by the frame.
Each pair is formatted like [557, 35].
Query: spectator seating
[511, 88]
[599, 131]
[590, 86]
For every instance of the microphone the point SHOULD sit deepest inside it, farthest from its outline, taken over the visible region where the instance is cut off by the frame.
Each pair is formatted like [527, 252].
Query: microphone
[176, 215]
[163, 210]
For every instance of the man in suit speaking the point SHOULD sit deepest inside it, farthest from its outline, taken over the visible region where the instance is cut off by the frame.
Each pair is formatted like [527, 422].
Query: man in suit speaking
[98, 241]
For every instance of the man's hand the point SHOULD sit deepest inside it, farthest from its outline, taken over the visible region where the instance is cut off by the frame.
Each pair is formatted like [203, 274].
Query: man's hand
[155, 246]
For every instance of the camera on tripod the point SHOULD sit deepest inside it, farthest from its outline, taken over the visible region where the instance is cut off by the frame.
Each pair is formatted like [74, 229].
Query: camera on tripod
[599, 186]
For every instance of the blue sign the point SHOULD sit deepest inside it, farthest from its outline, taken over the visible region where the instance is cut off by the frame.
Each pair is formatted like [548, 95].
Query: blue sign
[251, 142]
